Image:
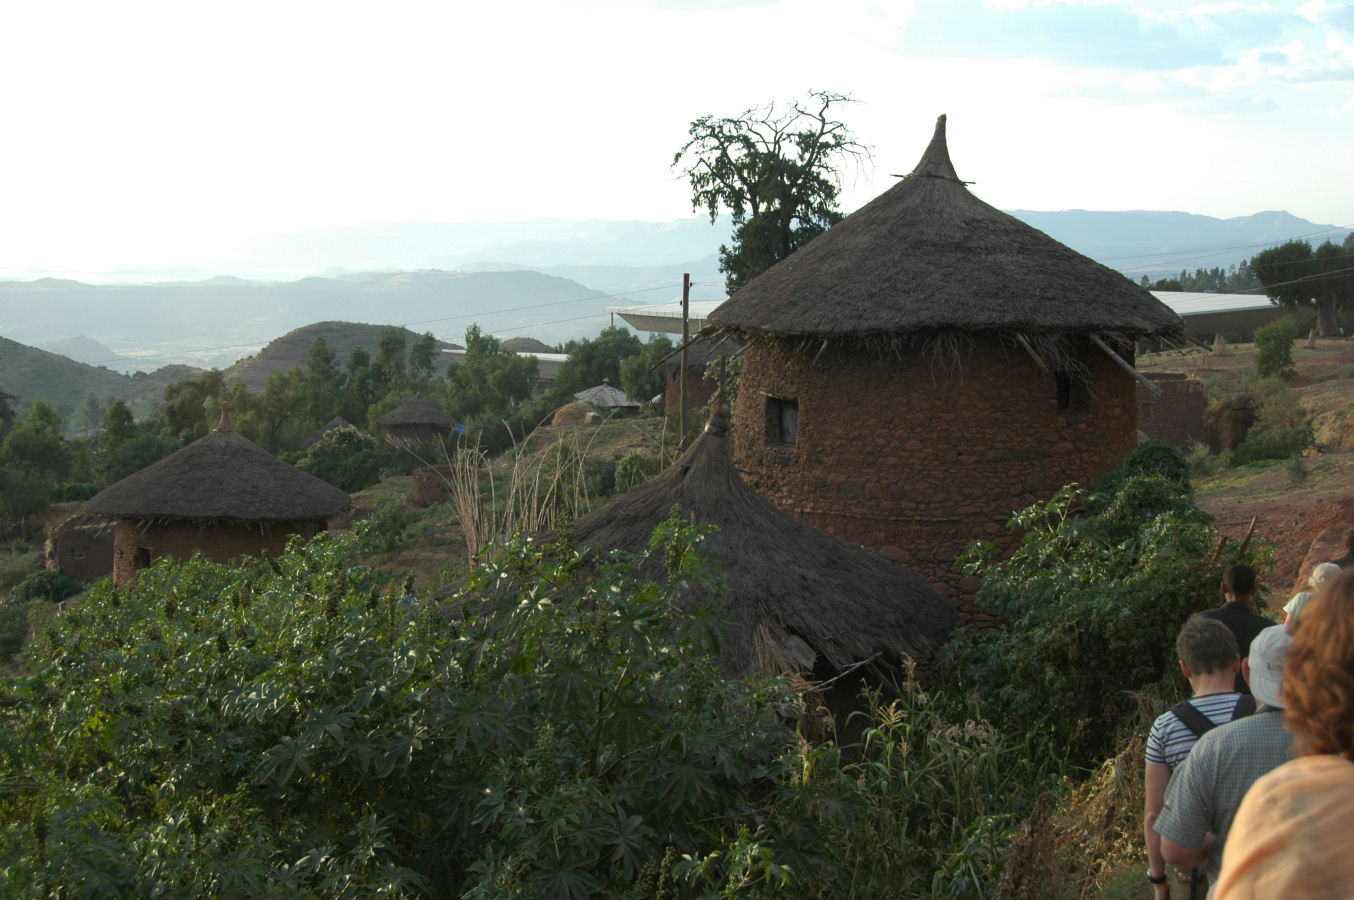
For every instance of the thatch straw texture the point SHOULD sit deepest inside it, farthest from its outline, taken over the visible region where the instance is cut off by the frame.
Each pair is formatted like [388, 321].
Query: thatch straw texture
[223, 476]
[927, 255]
[791, 586]
[604, 396]
[318, 433]
[417, 411]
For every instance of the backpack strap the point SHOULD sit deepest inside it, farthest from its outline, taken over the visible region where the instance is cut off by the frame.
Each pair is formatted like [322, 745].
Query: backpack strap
[1194, 720]
[1245, 705]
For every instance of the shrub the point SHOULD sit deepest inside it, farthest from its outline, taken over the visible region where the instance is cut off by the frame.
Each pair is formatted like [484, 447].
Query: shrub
[635, 469]
[1091, 598]
[1296, 469]
[346, 458]
[1274, 348]
[298, 727]
[52, 585]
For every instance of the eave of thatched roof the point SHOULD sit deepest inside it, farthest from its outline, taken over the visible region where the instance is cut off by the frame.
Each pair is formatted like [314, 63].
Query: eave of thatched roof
[314, 438]
[223, 476]
[927, 255]
[416, 411]
[785, 578]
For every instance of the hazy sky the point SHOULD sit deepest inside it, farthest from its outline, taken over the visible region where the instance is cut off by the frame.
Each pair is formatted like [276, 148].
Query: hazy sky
[142, 133]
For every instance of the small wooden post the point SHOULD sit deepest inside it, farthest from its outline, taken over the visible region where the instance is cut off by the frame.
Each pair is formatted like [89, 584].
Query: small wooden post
[681, 373]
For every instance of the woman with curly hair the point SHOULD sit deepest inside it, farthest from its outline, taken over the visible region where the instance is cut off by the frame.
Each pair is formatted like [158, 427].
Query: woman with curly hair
[1294, 834]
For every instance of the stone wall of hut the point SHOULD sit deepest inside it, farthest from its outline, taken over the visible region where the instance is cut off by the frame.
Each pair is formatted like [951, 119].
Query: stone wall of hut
[901, 455]
[1177, 416]
[137, 542]
[699, 390]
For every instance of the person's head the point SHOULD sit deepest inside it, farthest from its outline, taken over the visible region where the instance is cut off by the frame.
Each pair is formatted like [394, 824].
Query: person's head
[1263, 667]
[1205, 646]
[1321, 573]
[1238, 582]
[1319, 677]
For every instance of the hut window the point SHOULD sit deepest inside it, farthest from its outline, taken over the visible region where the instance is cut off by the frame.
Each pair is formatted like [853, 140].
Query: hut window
[782, 420]
[1073, 395]
[79, 552]
[141, 560]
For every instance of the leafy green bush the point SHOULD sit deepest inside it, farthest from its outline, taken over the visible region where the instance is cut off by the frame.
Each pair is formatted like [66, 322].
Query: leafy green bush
[346, 458]
[300, 728]
[635, 469]
[1274, 348]
[1091, 600]
[52, 585]
[1282, 427]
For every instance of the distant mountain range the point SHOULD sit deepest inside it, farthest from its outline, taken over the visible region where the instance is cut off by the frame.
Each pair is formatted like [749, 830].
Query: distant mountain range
[546, 280]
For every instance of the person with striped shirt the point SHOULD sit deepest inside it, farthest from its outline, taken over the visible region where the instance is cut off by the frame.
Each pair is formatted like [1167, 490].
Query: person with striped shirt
[1209, 661]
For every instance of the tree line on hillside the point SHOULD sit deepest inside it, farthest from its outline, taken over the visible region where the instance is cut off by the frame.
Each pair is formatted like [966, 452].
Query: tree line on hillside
[492, 390]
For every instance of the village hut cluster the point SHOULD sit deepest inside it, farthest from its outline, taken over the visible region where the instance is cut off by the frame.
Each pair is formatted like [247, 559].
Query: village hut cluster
[929, 365]
[910, 377]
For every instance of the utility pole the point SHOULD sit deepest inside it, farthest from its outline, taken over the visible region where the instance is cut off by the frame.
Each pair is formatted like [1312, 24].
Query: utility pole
[681, 373]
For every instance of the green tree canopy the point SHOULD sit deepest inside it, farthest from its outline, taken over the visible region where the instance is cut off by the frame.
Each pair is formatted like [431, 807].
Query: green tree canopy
[592, 361]
[491, 380]
[774, 170]
[1296, 276]
[324, 381]
[641, 379]
[34, 444]
[183, 407]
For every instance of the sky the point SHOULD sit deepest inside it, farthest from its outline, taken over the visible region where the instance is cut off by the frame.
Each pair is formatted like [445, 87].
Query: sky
[141, 134]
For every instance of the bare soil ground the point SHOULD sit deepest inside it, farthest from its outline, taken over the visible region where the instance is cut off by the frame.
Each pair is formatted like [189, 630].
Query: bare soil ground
[1290, 513]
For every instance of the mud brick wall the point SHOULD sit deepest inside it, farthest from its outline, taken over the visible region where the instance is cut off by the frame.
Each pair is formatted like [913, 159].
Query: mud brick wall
[1177, 416]
[220, 541]
[901, 456]
[699, 390]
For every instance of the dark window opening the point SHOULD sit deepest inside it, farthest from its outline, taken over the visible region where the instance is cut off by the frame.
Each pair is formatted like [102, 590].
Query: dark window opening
[1074, 396]
[79, 552]
[782, 420]
[141, 559]
[1064, 387]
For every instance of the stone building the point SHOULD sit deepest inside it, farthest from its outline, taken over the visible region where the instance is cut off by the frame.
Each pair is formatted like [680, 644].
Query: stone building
[929, 365]
[222, 495]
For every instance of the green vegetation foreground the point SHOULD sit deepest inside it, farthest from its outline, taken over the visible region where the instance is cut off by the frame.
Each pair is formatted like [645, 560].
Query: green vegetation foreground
[305, 727]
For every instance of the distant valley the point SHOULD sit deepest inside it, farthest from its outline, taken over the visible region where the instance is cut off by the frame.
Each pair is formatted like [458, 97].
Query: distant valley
[554, 281]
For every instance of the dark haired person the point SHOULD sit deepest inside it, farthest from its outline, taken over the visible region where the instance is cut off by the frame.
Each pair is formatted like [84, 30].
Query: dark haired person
[1208, 660]
[1293, 836]
[1237, 613]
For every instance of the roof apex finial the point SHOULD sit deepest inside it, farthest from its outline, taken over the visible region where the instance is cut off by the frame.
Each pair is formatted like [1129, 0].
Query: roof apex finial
[936, 160]
[225, 418]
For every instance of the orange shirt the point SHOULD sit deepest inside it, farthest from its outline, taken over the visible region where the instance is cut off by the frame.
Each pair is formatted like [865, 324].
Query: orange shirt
[1294, 834]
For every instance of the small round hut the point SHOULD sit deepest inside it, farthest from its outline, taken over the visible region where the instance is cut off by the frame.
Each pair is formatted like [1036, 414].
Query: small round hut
[801, 600]
[415, 421]
[222, 495]
[930, 364]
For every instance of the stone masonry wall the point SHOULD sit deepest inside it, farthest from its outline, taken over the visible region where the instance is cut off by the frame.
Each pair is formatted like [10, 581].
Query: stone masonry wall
[1177, 416]
[895, 455]
[179, 538]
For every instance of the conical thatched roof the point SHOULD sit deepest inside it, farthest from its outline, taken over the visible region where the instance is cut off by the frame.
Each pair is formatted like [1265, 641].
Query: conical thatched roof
[416, 411]
[221, 476]
[604, 396]
[793, 590]
[314, 438]
[928, 255]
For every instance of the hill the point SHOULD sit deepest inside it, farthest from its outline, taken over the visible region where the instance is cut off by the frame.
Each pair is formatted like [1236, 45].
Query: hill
[293, 349]
[214, 323]
[29, 373]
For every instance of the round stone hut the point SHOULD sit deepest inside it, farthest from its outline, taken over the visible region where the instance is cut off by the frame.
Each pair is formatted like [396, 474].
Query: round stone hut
[414, 422]
[222, 495]
[800, 601]
[930, 364]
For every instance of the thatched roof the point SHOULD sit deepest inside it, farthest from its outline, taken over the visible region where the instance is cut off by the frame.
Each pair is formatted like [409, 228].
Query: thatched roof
[927, 255]
[793, 590]
[604, 396]
[417, 411]
[314, 438]
[223, 476]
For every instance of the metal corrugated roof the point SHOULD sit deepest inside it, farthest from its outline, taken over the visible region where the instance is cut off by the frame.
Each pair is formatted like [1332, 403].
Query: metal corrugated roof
[1193, 303]
[666, 317]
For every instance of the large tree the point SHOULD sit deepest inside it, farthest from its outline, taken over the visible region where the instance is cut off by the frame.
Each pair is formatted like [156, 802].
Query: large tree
[1296, 276]
[775, 170]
